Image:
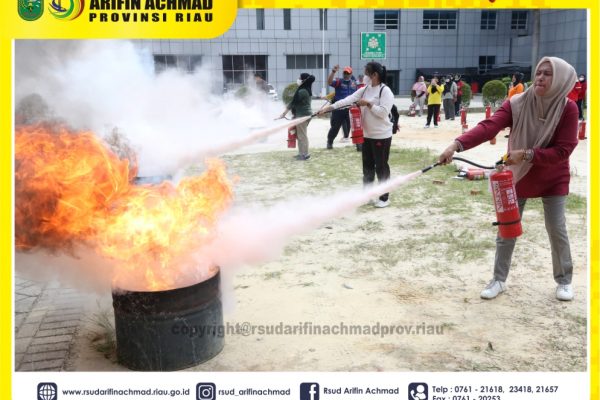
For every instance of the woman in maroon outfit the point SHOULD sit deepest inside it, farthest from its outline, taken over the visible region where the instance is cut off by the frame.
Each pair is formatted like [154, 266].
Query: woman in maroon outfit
[544, 133]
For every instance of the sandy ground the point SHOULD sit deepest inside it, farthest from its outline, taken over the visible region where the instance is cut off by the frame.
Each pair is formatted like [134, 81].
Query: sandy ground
[348, 271]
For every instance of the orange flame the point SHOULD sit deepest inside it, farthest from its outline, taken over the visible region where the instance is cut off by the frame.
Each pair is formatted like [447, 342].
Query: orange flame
[71, 189]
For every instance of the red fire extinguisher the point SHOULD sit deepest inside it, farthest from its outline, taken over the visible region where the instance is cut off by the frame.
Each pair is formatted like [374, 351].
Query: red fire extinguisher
[291, 137]
[412, 110]
[507, 206]
[582, 130]
[475, 174]
[356, 125]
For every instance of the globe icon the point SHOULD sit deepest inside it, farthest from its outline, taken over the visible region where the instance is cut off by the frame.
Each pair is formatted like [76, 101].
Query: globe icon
[47, 391]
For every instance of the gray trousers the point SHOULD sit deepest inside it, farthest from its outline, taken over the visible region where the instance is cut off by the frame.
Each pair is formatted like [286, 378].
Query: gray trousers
[302, 138]
[449, 108]
[554, 217]
[420, 103]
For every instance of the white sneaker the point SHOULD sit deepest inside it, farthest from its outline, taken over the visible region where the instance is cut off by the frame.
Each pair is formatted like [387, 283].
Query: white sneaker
[343, 140]
[564, 292]
[381, 203]
[426, 126]
[493, 289]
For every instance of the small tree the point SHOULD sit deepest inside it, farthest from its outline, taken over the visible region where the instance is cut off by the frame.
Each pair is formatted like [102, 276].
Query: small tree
[494, 92]
[467, 94]
[288, 93]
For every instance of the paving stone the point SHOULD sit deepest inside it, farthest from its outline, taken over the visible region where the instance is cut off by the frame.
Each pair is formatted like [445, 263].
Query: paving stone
[51, 339]
[55, 332]
[27, 330]
[25, 305]
[34, 317]
[32, 291]
[18, 358]
[60, 324]
[51, 318]
[44, 348]
[46, 356]
[39, 365]
[19, 319]
[21, 344]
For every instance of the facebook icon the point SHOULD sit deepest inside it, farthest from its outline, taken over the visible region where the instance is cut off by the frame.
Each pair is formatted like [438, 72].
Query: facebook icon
[309, 391]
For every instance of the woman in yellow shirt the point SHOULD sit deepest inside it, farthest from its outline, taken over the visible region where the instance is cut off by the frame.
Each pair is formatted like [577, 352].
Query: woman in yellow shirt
[434, 101]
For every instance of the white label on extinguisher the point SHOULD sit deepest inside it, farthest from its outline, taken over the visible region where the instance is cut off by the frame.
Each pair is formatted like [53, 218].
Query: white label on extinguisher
[497, 196]
[504, 196]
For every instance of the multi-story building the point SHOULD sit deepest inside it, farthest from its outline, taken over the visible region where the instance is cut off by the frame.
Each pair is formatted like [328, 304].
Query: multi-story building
[281, 43]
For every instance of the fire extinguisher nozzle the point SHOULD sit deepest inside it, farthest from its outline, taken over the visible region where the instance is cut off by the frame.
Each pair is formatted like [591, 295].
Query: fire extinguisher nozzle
[430, 167]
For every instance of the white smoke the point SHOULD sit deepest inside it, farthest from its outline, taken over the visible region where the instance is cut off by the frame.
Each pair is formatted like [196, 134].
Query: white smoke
[168, 117]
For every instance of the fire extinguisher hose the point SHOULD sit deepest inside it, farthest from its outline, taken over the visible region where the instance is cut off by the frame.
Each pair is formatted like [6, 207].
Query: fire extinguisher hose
[499, 162]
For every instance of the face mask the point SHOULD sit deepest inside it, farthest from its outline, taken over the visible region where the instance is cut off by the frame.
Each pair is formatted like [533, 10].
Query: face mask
[299, 82]
[367, 80]
[581, 79]
[447, 80]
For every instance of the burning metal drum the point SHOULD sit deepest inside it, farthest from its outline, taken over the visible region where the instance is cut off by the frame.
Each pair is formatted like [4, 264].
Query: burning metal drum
[171, 329]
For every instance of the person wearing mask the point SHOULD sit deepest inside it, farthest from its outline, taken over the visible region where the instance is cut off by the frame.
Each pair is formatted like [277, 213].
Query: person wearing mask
[544, 134]
[457, 103]
[300, 107]
[434, 100]
[516, 86]
[360, 81]
[420, 92]
[577, 94]
[449, 97]
[340, 118]
[375, 101]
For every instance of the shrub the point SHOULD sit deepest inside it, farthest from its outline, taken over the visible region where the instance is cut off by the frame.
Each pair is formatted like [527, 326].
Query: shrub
[494, 92]
[288, 93]
[467, 94]
[242, 92]
[507, 81]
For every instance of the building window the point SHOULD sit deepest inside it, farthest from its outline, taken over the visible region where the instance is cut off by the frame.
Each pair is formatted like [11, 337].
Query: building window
[386, 19]
[488, 20]
[183, 62]
[439, 20]
[306, 61]
[238, 69]
[486, 63]
[260, 19]
[287, 19]
[519, 20]
[322, 19]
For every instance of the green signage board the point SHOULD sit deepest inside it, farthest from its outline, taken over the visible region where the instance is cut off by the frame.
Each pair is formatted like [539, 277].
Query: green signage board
[372, 45]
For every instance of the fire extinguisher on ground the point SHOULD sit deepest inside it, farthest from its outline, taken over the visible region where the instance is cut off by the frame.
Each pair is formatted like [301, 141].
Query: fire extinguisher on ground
[508, 218]
[356, 125]
[291, 137]
[581, 132]
[488, 114]
[463, 116]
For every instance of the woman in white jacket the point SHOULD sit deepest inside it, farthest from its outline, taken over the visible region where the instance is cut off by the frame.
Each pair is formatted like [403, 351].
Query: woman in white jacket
[375, 101]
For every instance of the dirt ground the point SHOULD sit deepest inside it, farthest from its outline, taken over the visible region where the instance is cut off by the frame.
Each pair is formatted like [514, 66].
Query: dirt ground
[420, 262]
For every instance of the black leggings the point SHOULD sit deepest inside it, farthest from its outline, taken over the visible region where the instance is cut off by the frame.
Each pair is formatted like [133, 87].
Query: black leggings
[339, 118]
[375, 156]
[433, 110]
